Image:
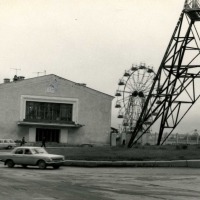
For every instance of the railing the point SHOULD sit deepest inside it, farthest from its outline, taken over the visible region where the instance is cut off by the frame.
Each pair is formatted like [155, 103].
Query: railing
[175, 139]
[192, 4]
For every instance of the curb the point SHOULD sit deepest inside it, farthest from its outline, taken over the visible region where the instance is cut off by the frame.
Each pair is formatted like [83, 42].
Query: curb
[174, 163]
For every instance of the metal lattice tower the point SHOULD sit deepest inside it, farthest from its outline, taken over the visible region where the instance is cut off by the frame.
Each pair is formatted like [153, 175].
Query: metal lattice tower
[176, 80]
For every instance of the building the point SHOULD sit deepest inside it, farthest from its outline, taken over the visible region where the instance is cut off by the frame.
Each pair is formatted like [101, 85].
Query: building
[61, 110]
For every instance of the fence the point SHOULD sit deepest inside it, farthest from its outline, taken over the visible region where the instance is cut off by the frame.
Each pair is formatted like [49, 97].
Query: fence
[190, 139]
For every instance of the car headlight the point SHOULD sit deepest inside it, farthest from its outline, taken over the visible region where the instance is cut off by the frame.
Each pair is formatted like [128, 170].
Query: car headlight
[49, 159]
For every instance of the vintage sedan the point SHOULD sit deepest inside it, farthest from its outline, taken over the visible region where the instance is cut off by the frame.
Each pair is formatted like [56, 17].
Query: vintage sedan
[7, 144]
[33, 156]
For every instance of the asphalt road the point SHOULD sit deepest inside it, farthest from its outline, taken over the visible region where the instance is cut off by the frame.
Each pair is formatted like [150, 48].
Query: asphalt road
[76, 183]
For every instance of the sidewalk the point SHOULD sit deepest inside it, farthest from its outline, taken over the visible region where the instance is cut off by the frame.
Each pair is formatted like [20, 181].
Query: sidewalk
[175, 163]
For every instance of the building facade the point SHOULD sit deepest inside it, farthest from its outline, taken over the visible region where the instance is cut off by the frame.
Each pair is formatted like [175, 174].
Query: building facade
[60, 110]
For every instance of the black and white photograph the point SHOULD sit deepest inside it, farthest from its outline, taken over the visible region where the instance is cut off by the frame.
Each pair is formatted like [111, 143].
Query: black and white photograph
[99, 99]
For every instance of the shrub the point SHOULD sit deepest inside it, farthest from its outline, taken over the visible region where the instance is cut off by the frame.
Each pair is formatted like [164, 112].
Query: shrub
[185, 146]
[182, 146]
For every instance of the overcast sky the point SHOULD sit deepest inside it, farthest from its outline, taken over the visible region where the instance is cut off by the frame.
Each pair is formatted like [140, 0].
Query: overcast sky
[85, 41]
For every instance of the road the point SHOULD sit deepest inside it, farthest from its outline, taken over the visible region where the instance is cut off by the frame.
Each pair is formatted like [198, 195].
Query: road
[76, 183]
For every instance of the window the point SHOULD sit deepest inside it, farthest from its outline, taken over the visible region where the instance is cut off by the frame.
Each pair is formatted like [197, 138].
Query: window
[48, 111]
[19, 151]
[27, 151]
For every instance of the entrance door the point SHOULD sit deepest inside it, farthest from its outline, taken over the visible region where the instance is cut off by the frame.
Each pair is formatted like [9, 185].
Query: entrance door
[51, 135]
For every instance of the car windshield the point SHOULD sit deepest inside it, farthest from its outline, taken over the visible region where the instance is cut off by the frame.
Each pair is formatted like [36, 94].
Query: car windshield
[39, 151]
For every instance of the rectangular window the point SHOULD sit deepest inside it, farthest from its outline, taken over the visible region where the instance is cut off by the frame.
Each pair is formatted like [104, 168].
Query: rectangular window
[51, 112]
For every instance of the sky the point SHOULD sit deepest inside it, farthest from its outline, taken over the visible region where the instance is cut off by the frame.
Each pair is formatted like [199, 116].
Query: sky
[85, 41]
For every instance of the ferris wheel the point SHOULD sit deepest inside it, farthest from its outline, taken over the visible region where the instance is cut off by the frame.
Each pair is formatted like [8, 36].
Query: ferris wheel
[133, 89]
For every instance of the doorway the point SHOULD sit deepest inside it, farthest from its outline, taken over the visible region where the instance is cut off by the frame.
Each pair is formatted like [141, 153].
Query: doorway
[51, 135]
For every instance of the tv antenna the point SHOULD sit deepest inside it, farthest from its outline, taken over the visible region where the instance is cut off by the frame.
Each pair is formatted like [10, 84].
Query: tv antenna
[38, 73]
[16, 69]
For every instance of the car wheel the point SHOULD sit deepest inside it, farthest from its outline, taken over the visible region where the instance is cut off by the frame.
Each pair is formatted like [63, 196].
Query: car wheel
[10, 163]
[41, 164]
[9, 147]
[56, 166]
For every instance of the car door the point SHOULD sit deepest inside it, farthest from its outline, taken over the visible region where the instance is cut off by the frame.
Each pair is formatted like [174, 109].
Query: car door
[5, 143]
[28, 157]
[17, 156]
[1, 144]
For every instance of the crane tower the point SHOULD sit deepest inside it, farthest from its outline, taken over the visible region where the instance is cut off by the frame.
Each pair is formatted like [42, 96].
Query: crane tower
[175, 87]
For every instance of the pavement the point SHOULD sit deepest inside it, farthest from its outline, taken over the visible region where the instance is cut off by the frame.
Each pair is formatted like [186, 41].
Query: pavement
[174, 163]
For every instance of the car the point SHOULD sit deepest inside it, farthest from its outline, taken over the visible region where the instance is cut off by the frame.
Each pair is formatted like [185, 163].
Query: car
[7, 144]
[33, 156]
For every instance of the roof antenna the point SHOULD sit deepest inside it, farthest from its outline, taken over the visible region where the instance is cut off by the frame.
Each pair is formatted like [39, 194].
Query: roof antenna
[16, 69]
[38, 73]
